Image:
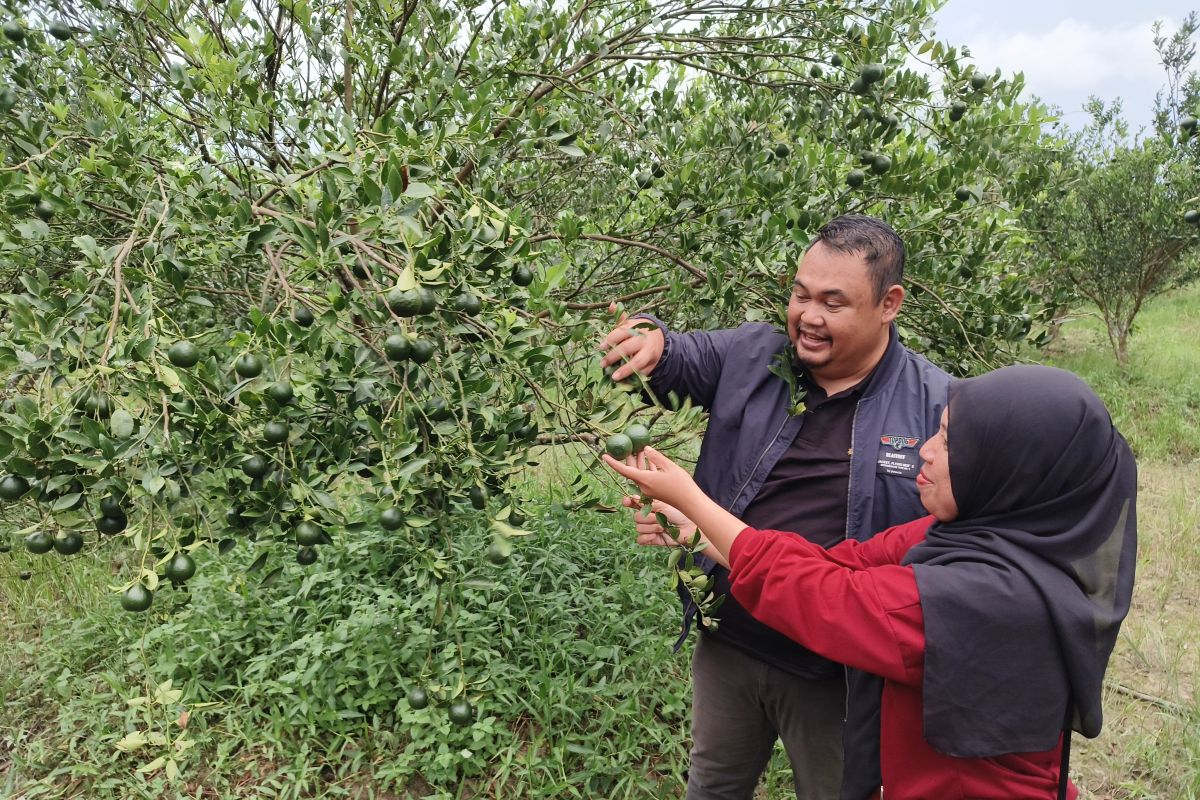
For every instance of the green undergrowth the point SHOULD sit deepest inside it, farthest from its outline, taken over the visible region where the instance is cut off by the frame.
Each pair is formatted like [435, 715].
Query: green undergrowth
[297, 689]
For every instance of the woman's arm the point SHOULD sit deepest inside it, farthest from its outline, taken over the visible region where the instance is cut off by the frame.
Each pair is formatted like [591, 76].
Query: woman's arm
[663, 479]
[868, 618]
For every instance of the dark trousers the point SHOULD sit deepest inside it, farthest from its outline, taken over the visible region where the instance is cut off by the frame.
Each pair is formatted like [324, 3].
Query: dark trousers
[740, 706]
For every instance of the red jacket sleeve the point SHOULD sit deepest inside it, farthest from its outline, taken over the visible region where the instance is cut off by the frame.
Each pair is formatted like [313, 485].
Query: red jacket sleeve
[852, 603]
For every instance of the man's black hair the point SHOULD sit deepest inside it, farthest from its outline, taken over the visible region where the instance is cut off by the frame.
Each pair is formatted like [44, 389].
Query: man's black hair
[872, 240]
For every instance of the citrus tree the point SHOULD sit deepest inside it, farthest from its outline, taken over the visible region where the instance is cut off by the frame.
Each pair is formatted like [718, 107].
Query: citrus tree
[282, 272]
[1116, 222]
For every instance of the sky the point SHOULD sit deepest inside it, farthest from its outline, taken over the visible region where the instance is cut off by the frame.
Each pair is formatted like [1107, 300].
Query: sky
[1070, 49]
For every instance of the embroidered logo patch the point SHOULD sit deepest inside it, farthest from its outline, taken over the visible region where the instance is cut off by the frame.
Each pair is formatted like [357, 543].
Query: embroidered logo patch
[897, 456]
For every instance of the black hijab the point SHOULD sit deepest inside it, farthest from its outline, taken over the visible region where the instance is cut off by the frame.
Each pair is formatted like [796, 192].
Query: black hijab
[1024, 592]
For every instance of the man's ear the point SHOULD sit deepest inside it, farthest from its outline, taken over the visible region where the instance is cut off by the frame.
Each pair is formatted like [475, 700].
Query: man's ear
[893, 298]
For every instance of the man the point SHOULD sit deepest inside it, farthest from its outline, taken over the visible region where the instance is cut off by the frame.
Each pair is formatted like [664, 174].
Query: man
[842, 464]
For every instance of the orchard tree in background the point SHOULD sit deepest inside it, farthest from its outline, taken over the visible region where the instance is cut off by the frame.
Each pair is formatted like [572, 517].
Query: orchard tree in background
[281, 276]
[1120, 224]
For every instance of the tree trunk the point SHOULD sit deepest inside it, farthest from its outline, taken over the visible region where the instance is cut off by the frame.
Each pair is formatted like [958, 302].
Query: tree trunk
[1118, 337]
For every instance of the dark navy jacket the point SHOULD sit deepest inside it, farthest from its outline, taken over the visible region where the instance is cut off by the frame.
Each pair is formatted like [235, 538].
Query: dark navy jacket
[749, 429]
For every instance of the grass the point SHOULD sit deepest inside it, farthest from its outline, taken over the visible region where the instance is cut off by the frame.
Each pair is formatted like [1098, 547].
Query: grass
[566, 649]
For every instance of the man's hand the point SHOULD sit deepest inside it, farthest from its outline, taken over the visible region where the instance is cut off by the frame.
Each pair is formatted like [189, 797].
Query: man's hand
[638, 343]
[650, 532]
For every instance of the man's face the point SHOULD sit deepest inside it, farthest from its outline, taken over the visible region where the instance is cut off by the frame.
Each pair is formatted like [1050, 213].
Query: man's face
[837, 327]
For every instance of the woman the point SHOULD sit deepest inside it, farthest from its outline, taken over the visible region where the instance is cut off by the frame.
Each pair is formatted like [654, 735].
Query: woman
[992, 620]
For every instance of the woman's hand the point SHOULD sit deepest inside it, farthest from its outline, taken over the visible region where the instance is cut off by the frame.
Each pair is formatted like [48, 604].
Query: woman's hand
[662, 479]
[657, 476]
[650, 531]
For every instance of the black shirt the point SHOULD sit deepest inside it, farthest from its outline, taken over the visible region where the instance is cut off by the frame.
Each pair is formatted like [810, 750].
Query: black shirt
[806, 492]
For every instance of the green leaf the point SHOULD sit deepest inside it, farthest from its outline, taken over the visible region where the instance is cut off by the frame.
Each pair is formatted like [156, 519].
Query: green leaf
[418, 190]
[257, 238]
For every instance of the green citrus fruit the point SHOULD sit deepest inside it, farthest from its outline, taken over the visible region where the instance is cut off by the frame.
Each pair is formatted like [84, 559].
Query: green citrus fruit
[815, 71]
[180, 568]
[782, 150]
[306, 556]
[516, 518]
[468, 304]
[478, 497]
[391, 519]
[12, 487]
[958, 110]
[835, 60]
[522, 275]
[881, 164]
[872, 73]
[644, 180]
[24, 574]
[1191, 217]
[978, 81]
[428, 300]
[97, 405]
[44, 211]
[303, 316]
[111, 507]
[112, 525]
[275, 432]
[619, 446]
[855, 178]
[39, 542]
[461, 713]
[422, 351]
[60, 30]
[14, 32]
[639, 435]
[68, 543]
[962, 194]
[418, 698]
[309, 534]
[404, 302]
[183, 354]
[137, 598]
[280, 392]
[256, 466]
[397, 347]
[248, 366]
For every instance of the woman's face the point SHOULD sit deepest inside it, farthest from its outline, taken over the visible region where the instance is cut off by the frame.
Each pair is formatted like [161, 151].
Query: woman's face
[933, 481]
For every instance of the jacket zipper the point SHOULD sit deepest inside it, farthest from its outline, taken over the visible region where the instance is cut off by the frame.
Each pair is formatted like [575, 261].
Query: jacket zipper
[849, 504]
[763, 455]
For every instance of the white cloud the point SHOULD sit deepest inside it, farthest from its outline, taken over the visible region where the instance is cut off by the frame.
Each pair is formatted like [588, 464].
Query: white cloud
[1074, 56]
